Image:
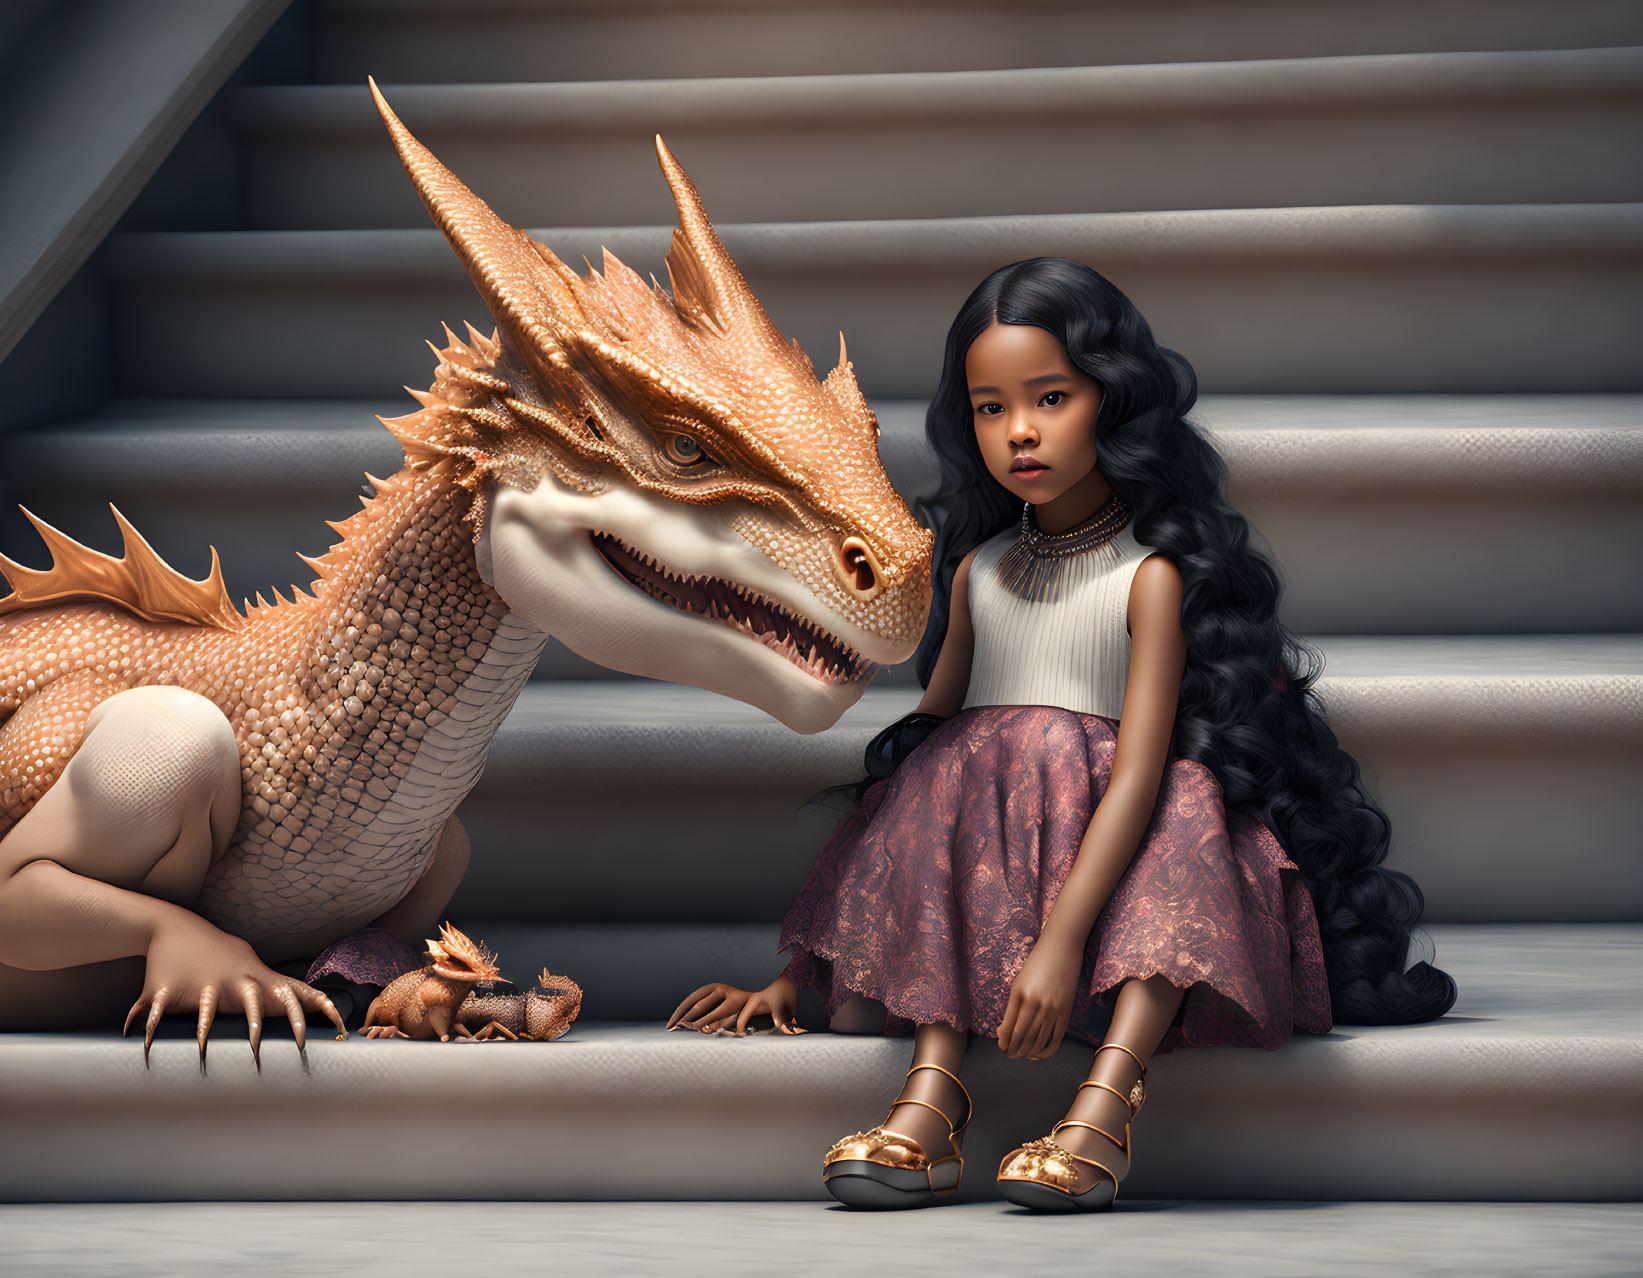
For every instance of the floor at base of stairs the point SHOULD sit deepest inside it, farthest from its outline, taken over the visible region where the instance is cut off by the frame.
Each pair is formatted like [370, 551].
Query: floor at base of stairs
[1232, 1239]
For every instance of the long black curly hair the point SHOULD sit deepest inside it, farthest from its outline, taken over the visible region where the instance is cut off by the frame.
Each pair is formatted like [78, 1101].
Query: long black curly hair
[1247, 710]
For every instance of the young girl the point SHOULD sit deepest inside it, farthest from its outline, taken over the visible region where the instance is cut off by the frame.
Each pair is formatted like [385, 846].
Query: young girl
[1121, 726]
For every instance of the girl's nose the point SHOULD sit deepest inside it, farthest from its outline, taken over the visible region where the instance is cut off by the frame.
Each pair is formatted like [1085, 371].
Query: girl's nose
[1022, 431]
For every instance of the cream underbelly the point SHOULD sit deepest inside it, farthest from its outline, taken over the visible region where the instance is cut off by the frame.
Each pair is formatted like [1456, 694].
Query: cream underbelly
[303, 903]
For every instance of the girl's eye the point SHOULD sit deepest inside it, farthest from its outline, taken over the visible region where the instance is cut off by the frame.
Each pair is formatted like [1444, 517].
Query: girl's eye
[682, 450]
[989, 410]
[1052, 398]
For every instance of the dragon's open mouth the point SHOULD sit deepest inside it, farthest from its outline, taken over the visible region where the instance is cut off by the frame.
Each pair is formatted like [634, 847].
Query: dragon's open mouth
[811, 649]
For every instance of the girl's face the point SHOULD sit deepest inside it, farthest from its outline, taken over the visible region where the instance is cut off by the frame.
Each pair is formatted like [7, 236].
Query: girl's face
[1035, 421]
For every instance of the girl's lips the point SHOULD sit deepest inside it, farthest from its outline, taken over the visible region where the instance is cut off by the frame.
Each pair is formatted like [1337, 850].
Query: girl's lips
[1027, 467]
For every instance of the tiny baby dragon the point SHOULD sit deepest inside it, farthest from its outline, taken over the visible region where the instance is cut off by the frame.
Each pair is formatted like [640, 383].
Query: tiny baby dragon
[189, 792]
[440, 1001]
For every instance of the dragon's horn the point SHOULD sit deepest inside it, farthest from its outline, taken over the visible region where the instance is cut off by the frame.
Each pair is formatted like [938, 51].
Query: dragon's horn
[549, 981]
[707, 284]
[505, 264]
[455, 946]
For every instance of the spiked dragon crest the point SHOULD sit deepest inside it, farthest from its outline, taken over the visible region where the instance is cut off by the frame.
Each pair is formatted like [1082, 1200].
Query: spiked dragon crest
[647, 404]
[657, 479]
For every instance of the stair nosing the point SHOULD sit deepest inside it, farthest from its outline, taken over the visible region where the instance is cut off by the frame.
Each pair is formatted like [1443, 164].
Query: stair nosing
[1339, 82]
[1357, 233]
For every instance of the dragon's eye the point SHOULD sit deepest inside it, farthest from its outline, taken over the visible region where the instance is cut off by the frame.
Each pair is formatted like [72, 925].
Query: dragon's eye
[682, 450]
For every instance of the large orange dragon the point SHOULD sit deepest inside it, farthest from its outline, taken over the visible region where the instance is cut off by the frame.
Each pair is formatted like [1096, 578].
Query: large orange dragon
[189, 792]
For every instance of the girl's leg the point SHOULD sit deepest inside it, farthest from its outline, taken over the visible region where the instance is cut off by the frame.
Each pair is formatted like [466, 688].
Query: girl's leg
[858, 1015]
[937, 1044]
[1143, 1012]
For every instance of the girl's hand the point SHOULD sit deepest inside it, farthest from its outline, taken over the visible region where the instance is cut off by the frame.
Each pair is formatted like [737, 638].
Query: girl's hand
[712, 1006]
[1041, 1001]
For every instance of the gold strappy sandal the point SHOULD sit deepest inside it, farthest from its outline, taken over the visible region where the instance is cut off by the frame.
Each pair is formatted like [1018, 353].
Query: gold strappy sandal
[883, 1168]
[1040, 1174]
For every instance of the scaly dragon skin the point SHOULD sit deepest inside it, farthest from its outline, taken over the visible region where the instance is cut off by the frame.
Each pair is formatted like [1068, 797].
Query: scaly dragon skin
[342, 705]
[660, 481]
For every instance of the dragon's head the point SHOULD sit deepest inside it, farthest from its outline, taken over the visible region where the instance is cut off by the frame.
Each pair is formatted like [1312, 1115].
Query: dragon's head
[662, 483]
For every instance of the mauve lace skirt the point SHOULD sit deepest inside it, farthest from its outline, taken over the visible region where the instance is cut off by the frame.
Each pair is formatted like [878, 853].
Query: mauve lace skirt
[931, 894]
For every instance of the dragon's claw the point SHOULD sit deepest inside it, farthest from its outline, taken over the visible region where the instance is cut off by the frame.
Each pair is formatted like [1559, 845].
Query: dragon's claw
[293, 1010]
[155, 1011]
[208, 1013]
[251, 996]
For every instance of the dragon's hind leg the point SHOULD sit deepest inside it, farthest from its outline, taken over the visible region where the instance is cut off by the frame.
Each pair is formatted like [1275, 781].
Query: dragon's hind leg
[491, 1031]
[102, 867]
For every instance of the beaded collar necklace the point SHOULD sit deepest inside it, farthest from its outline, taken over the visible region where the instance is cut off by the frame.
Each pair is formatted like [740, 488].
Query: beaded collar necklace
[1037, 565]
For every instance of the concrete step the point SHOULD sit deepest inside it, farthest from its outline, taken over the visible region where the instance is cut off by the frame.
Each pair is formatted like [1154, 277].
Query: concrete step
[1204, 1239]
[1454, 128]
[1542, 298]
[668, 782]
[1543, 1052]
[1494, 128]
[518, 40]
[1414, 514]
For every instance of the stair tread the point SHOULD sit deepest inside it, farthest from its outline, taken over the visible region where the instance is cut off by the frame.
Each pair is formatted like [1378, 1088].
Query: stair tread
[159, 414]
[1310, 299]
[705, 1239]
[1545, 1012]
[528, 40]
[1261, 83]
[1496, 232]
[1518, 981]
[1427, 658]
[1447, 443]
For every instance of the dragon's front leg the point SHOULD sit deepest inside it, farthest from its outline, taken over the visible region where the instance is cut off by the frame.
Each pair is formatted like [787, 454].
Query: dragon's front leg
[102, 866]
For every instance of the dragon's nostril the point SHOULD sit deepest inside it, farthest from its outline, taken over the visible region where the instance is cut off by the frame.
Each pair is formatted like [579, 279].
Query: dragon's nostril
[856, 560]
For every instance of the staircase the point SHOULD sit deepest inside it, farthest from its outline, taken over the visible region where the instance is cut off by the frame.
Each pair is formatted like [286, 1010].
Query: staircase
[1401, 242]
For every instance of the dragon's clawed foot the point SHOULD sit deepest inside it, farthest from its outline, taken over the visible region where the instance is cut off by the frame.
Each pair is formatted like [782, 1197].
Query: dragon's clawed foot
[208, 970]
[384, 1031]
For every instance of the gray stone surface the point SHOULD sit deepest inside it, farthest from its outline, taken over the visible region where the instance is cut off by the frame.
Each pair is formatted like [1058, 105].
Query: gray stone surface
[1430, 298]
[1500, 128]
[1182, 1239]
[426, 41]
[1510, 765]
[1386, 513]
[668, 781]
[1543, 1053]
[1537, 980]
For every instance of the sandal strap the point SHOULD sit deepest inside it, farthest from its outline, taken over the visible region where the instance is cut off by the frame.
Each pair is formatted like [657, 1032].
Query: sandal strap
[1130, 1102]
[1106, 1087]
[1123, 1145]
[953, 1131]
[1120, 1047]
[969, 1105]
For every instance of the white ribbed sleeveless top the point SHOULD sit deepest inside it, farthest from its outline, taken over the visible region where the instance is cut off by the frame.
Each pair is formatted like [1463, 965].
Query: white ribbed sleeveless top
[1072, 651]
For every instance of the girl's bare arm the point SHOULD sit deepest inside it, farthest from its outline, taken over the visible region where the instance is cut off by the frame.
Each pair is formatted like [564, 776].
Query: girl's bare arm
[950, 680]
